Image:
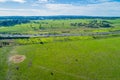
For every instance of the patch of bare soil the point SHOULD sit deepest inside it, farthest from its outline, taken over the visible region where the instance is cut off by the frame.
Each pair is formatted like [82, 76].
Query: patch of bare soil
[17, 58]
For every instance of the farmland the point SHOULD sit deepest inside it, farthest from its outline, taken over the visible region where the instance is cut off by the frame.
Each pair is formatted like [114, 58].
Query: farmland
[71, 49]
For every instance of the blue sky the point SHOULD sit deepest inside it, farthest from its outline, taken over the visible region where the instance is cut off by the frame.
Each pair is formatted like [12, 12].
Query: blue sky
[59, 7]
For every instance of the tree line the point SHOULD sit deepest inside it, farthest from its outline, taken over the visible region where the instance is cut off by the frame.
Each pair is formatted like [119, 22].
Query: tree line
[13, 22]
[54, 17]
[93, 24]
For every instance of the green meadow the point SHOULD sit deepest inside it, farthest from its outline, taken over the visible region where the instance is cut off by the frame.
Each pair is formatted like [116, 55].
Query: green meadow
[95, 59]
[81, 57]
[61, 26]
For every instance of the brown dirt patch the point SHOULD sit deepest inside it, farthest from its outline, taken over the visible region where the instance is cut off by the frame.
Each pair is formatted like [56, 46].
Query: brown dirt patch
[17, 58]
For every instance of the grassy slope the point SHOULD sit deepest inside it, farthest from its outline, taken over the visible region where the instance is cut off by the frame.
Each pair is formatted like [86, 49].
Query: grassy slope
[72, 60]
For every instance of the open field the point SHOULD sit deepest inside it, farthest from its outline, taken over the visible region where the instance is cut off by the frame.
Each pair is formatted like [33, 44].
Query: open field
[59, 49]
[96, 59]
[61, 26]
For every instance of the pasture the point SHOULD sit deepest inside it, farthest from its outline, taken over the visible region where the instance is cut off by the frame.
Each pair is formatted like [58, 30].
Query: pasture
[62, 26]
[60, 49]
[93, 59]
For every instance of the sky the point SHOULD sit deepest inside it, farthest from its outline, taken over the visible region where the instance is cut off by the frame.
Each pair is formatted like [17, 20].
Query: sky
[59, 7]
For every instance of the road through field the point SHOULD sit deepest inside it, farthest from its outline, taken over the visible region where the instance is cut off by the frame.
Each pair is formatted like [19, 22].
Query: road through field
[7, 36]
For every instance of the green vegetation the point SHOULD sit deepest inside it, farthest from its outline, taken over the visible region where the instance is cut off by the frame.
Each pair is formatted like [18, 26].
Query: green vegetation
[42, 40]
[71, 60]
[89, 52]
[4, 53]
[63, 26]
[12, 22]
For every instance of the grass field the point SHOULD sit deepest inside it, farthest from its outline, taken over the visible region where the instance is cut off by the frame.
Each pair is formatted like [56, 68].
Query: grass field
[95, 59]
[58, 27]
[81, 57]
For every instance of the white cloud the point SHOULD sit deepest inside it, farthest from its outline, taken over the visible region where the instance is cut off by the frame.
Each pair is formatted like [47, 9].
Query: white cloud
[3, 0]
[42, 1]
[95, 1]
[102, 9]
[19, 1]
[26, 12]
[59, 6]
[99, 0]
